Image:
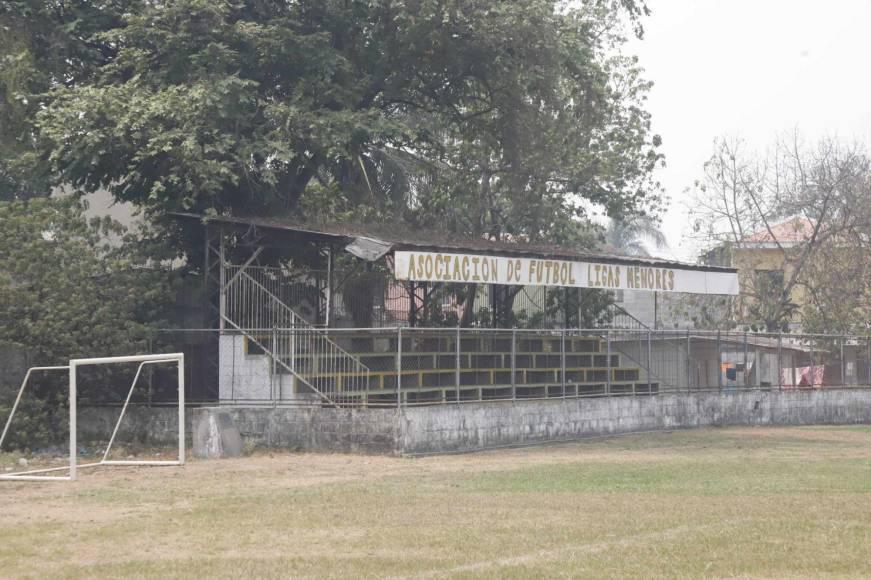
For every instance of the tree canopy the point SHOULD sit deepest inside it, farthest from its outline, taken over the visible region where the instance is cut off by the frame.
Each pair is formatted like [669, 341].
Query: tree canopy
[44, 45]
[801, 218]
[71, 286]
[506, 119]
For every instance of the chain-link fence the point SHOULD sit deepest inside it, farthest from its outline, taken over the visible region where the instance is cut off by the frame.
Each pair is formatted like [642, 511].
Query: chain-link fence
[417, 366]
[424, 366]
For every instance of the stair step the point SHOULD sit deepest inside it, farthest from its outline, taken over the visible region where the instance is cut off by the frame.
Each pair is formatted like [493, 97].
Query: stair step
[625, 372]
[501, 393]
[437, 361]
[466, 388]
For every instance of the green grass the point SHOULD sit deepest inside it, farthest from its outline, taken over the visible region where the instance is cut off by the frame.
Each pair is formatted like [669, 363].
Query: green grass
[788, 502]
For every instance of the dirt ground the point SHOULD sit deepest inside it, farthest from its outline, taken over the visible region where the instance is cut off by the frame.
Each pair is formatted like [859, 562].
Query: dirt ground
[785, 502]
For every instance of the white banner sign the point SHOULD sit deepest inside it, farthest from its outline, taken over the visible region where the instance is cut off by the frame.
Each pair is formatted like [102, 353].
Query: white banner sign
[466, 268]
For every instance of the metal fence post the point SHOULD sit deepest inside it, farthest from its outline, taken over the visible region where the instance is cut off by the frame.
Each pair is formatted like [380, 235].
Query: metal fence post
[746, 366]
[649, 386]
[813, 366]
[457, 365]
[399, 367]
[608, 360]
[272, 358]
[293, 344]
[868, 358]
[719, 362]
[514, 364]
[222, 281]
[780, 361]
[843, 365]
[689, 369]
[563, 359]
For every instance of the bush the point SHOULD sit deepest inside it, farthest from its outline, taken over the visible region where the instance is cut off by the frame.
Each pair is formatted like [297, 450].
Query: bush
[70, 287]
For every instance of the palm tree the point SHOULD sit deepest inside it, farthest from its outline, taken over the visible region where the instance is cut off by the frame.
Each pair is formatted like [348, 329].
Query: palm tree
[630, 238]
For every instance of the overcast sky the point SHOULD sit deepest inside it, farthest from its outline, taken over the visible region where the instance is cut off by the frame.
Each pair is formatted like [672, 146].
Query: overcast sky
[752, 68]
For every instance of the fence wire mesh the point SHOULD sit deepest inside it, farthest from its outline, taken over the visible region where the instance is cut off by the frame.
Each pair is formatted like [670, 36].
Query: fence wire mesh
[400, 366]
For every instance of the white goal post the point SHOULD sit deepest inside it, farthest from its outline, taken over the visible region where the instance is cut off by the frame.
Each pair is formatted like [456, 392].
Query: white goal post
[73, 466]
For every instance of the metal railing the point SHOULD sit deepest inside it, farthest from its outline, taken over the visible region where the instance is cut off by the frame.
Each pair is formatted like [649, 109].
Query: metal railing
[301, 292]
[425, 366]
[411, 366]
[621, 319]
[295, 346]
[429, 366]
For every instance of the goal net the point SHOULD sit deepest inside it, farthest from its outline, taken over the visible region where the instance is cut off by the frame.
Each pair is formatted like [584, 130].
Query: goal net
[69, 471]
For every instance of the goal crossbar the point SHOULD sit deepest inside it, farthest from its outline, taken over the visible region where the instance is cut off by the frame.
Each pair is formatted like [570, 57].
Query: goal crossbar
[37, 474]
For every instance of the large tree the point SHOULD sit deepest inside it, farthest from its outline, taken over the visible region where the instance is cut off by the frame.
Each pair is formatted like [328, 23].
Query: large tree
[71, 286]
[505, 119]
[44, 45]
[806, 207]
[837, 280]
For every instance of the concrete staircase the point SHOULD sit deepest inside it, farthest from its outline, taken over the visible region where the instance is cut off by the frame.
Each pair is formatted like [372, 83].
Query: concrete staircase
[318, 364]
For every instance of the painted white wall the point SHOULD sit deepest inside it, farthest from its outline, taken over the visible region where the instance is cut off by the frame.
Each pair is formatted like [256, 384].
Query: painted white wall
[248, 377]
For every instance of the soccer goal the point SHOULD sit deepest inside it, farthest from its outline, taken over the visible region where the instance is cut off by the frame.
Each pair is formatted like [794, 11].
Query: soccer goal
[73, 465]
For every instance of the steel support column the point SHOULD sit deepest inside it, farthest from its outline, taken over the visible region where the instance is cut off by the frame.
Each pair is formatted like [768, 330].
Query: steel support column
[689, 362]
[399, 367]
[719, 362]
[457, 365]
[649, 386]
[780, 361]
[514, 364]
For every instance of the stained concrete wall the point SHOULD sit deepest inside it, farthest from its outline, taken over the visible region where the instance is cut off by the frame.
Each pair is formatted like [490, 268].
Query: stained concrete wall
[472, 426]
[478, 426]
[302, 428]
[315, 428]
[245, 377]
[146, 425]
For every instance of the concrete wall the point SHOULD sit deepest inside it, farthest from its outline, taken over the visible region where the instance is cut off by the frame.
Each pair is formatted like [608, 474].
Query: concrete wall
[315, 428]
[305, 428]
[468, 427]
[146, 425]
[669, 361]
[248, 377]
[477, 426]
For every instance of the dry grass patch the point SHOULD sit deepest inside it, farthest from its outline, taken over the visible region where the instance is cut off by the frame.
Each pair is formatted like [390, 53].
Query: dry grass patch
[720, 502]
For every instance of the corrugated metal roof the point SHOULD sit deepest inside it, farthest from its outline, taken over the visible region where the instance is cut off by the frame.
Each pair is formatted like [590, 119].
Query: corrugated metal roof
[435, 241]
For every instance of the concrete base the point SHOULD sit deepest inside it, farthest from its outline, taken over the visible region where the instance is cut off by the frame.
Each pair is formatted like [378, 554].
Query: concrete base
[215, 435]
[141, 424]
[311, 428]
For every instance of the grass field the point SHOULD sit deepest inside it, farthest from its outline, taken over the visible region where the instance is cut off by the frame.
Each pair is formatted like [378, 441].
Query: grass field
[772, 503]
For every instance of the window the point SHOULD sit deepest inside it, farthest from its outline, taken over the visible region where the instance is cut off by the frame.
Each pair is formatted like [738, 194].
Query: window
[769, 282]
